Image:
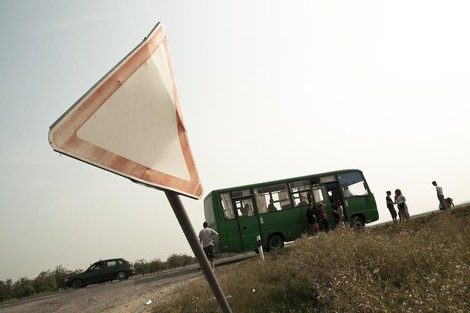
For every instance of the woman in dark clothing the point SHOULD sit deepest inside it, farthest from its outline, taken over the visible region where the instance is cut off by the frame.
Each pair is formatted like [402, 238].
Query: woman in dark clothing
[312, 219]
[391, 206]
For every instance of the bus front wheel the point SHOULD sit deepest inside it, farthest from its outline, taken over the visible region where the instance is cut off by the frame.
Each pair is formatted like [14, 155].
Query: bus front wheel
[275, 242]
[358, 222]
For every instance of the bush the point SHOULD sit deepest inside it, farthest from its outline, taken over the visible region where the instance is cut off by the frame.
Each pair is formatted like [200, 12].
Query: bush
[141, 267]
[156, 266]
[44, 282]
[6, 290]
[23, 287]
[180, 260]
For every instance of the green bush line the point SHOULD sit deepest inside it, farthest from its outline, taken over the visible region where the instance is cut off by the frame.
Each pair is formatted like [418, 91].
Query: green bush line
[52, 281]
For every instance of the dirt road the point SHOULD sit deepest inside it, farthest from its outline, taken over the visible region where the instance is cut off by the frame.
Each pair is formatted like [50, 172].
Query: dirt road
[129, 296]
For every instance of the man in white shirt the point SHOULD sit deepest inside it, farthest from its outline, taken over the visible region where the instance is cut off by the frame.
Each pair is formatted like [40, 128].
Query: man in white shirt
[440, 196]
[207, 236]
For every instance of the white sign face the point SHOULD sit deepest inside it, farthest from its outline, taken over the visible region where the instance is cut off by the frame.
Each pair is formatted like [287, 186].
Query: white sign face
[130, 123]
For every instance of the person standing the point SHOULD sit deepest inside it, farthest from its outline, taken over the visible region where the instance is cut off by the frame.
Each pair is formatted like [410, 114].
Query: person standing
[271, 207]
[207, 237]
[324, 217]
[391, 206]
[338, 212]
[401, 205]
[440, 196]
[312, 219]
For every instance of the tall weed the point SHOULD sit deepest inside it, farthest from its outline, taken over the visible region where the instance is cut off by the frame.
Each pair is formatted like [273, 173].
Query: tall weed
[417, 266]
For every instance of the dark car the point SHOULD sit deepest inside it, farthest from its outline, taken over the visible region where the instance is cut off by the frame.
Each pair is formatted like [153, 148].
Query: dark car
[102, 271]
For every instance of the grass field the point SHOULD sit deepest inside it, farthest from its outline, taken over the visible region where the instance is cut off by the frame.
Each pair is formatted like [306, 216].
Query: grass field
[422, 265]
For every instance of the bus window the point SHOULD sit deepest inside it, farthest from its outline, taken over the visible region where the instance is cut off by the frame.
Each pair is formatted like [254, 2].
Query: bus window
[327, 179]
[226, 201]
[272, 198]
[209, 211]
[240, 193]
[319, 194]
[262, 200]
[299, 190]
[352, 184]
[244, 208]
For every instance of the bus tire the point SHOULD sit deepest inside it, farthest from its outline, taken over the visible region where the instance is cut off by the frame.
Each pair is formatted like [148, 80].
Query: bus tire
[275, 242]
[358, 222]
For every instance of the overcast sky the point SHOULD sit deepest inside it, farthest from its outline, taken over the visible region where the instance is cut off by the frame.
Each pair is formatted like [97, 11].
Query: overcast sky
[268, 90]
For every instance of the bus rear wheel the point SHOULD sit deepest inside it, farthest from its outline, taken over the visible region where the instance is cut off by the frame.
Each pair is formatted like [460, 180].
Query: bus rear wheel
[358, 222]
[275, 242]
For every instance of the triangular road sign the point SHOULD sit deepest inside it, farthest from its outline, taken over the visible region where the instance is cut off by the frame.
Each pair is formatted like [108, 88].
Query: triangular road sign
[130, 122]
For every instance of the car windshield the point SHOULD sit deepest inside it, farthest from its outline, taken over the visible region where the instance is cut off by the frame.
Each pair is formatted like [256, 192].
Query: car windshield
[95, 266]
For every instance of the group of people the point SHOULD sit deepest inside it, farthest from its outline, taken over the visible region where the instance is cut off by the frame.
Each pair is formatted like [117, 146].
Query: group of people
[400, 201]
[338, 213]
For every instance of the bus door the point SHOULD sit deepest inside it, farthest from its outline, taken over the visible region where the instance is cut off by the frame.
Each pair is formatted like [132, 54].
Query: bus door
[320, 195]
[334, 192]
[247, 222]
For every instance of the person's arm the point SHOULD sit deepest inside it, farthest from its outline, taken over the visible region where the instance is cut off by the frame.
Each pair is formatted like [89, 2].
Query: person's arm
[215, 235]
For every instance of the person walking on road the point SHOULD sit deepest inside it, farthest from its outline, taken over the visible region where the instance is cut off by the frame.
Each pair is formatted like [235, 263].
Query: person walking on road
[207, 237]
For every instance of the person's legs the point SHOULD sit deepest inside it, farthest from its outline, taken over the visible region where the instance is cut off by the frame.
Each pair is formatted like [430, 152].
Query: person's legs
[326, 225]
[211, 256]
[208, 251]
[442, 202]
[401, 212]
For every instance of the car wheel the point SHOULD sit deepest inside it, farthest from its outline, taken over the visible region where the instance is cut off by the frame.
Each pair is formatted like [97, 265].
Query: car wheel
[77, 283]
[121, 275]
[275, 242]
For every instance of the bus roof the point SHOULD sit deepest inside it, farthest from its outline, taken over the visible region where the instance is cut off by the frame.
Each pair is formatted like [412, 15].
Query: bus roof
[282, 180]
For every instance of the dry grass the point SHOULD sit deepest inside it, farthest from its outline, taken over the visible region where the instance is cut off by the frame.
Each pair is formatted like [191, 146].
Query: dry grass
[422, 265]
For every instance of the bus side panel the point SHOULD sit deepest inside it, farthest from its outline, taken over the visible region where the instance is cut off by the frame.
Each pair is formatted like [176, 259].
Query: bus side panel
[249, 230]
[362, 205]
[229, 237]
[372, 213]
[290, 223]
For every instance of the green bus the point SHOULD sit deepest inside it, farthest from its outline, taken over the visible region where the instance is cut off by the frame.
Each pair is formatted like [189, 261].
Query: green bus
[276, 210]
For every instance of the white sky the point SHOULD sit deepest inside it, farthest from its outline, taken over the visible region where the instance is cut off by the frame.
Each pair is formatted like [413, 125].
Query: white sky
[268, 90]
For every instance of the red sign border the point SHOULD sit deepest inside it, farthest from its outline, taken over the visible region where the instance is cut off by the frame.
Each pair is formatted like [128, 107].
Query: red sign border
[63, 133]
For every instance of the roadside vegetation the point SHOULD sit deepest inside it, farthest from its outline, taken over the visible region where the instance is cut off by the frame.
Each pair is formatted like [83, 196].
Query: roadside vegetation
[52, 281]
[422, 265]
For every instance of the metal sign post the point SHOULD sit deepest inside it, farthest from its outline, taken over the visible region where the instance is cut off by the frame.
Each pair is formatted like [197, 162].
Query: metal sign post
[260, 247]
[191, 236]
[130, 123]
